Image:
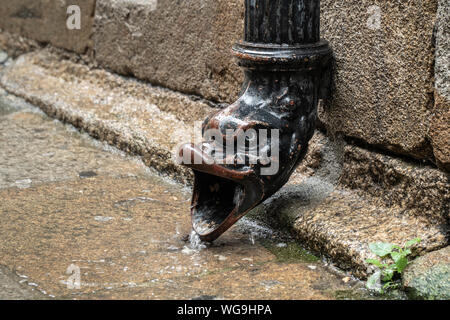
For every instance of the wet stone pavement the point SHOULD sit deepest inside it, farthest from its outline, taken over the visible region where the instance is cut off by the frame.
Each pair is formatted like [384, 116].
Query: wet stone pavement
[81, 220]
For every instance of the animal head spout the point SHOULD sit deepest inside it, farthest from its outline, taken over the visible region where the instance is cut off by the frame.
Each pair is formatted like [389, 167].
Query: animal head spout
[251, 148]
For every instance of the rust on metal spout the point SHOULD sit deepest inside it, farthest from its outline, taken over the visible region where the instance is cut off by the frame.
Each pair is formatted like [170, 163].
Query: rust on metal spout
[251, 148]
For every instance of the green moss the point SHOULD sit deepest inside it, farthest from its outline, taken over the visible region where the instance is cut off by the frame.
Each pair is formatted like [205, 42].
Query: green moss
[351, 295]
[362, 294]
[432, 284]
[292, 252]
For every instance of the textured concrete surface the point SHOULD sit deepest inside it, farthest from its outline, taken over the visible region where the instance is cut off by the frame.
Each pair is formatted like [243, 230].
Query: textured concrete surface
[46, 21]
[428, 277]
[343, 197]
[54, 157]
[338, 222]
[440, 129]
[384, 73]
[412, 188]
[82, 213]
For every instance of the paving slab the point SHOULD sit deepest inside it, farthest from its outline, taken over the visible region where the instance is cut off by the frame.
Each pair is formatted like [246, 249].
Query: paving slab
[81, 220]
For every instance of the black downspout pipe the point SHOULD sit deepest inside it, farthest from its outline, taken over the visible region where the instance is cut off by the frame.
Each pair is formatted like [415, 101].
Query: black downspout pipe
[287, 70]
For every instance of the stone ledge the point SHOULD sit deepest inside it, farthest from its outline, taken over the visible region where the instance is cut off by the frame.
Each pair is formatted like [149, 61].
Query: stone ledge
[150, 122]
[16, 45]
[122, 112]
[182, 45]
[341, 224]
[418, 189]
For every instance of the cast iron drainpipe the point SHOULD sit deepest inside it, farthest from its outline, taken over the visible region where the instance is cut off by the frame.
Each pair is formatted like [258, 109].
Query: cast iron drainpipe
[287, 70]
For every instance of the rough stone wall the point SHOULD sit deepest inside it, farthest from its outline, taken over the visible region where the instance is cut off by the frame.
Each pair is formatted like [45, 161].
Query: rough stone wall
[385, 58]
[45, 21]
[182, 45]
[384, 72]
[440, 130]
[384, 61]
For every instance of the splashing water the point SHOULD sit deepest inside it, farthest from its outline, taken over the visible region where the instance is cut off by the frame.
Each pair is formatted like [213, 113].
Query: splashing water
[195, 244]
[252, 238]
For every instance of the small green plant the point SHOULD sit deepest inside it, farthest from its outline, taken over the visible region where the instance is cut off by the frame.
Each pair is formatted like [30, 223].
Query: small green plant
[382, 279]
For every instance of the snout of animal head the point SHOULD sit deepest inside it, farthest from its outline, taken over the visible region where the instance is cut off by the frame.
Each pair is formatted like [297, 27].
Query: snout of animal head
[223, 193]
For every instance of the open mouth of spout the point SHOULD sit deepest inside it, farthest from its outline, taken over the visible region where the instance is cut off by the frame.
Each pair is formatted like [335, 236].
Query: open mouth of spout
[216, 204]
[222, 195]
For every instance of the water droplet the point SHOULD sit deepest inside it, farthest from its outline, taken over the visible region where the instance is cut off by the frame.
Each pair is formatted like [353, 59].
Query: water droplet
[252, 238]
[195, 242]
[103, 219]
[23, 184]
